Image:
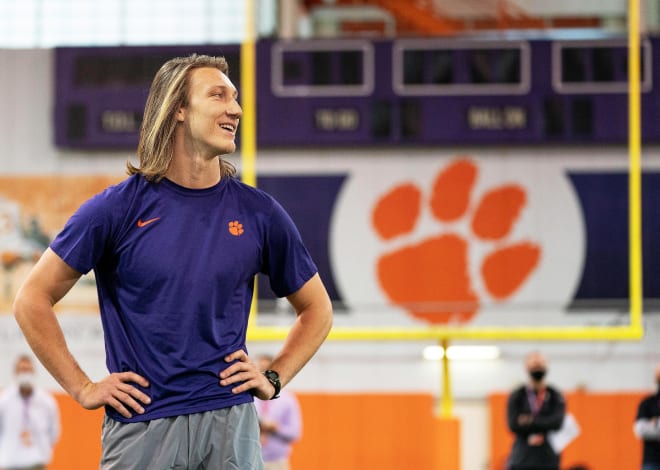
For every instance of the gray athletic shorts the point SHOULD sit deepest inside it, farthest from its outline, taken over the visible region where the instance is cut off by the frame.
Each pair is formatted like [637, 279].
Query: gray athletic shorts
[225, 439]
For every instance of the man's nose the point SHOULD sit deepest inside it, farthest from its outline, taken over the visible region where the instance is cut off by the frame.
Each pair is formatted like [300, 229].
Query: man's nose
[236, 110]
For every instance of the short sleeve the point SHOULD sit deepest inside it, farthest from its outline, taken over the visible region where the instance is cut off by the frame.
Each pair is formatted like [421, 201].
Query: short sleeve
[286, 261]
[84, 238]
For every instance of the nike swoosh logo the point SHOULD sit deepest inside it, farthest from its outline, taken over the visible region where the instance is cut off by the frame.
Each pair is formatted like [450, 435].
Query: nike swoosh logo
[141, 223]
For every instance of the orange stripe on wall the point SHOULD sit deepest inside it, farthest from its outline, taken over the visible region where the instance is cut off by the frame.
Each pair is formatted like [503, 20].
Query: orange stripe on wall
[347, 431]
[395, 431]
[384, 431]
[79, 446]
[606, 440]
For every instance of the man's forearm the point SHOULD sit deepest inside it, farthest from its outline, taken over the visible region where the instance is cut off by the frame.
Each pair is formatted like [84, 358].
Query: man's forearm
[50, 279]
[44, 335]
[305, 337]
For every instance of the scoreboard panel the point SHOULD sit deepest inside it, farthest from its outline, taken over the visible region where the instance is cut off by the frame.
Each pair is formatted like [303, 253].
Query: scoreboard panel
[374, 92]
[100, 92]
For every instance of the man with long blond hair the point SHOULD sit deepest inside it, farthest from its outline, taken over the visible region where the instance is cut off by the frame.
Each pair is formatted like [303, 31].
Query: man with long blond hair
[175, 248]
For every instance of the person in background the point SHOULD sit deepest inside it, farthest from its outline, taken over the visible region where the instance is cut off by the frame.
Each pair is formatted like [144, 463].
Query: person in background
[280, 424]
[647, 427]
[175, 249]
[534, 410]
[29, 421]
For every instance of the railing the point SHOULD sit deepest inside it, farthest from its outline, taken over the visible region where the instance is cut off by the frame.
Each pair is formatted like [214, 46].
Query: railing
[449, 17]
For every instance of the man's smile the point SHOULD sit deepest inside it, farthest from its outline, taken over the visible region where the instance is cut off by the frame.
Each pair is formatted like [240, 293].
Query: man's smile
[229, 127]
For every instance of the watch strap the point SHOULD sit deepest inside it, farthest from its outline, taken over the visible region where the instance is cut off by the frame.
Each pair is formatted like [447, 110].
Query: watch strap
[274, 379]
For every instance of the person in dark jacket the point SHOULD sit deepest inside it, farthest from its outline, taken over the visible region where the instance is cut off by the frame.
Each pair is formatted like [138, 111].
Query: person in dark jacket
[647, 427]
[533, 411]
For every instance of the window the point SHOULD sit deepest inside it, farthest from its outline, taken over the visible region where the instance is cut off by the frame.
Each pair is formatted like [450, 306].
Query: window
[427, 66]
[494, 65]
[423, 67]
[322, 68]
[596, 66]
[52, 23]
[108, 71]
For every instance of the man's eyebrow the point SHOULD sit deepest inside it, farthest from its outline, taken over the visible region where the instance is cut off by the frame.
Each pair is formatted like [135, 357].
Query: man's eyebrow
[224, 88]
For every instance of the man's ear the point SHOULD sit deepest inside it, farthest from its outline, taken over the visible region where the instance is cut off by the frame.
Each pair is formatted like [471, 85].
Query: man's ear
[181, 114]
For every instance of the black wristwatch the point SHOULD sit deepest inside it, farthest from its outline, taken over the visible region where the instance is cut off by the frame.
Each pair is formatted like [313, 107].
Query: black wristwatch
[274, 379]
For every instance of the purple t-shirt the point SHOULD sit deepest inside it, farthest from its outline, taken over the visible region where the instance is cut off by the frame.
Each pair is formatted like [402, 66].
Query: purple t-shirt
[175, 274]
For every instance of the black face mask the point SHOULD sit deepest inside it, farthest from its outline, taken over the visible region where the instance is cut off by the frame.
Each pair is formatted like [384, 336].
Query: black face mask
[537, 374]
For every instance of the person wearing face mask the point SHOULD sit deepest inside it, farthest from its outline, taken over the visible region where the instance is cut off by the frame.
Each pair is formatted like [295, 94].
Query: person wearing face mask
[647, 427]
[534, 410]
[29, 421]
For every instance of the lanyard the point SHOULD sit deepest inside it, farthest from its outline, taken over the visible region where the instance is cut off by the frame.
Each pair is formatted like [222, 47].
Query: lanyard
[26, 413]
[535, 400]
[26, 436]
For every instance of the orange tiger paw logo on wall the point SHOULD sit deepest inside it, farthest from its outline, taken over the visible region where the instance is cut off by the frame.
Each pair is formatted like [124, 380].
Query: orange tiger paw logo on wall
[431, 278]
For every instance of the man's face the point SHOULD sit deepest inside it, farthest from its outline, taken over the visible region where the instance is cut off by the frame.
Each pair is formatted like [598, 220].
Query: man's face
[535, 363]
[25, 375]
[23, 366]
[212, 114]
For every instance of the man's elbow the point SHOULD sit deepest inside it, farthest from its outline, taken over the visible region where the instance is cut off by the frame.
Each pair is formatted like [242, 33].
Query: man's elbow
[24, 305]
[327, 318]
[19, 306]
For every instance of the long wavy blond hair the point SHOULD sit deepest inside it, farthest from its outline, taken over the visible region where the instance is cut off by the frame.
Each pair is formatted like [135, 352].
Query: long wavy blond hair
[168, 93]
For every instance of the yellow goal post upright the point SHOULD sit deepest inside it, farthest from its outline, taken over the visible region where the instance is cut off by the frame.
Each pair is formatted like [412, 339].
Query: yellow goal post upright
[444, 334]
[249, 119]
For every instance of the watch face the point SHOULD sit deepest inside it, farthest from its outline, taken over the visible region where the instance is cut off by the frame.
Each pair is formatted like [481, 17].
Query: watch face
[274, 379]
[272, 375]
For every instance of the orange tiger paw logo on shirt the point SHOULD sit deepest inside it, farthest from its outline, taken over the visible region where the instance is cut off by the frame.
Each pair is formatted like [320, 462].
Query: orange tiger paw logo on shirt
[430, 278]
[235, 228]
